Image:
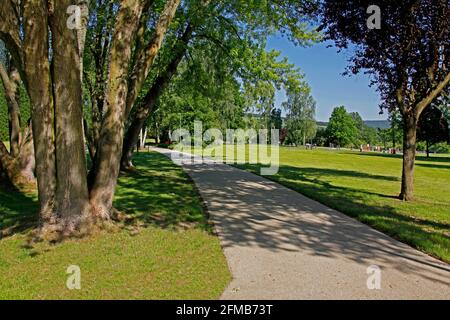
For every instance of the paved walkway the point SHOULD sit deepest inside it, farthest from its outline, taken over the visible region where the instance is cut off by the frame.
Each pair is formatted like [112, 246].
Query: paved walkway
[282, 245]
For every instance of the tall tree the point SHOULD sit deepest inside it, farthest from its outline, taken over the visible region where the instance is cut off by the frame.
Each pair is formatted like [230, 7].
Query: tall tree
[48, 55]
[407, 57]
[300, 123]
[237, 28]
[342, 129]
[121, 93]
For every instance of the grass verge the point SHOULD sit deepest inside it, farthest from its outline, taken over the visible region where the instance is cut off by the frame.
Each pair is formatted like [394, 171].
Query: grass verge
[174, 254]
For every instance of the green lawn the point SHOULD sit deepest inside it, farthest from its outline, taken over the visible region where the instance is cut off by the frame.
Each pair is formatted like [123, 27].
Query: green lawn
[365, 186]
[172, 255]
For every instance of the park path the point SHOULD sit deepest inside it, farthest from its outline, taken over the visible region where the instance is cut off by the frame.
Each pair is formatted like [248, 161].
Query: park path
[280, 244]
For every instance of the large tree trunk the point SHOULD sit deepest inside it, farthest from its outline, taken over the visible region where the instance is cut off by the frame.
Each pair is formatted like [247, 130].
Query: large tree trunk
[409, 155]
[72, 200]
[38, 83]
[107, 159]
[20, 169]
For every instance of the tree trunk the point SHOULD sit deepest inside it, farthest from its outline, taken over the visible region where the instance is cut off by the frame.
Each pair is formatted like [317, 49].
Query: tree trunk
[11, 85]
[26, 160]
[18, 163]
[144, 137]
[409, 155]
[149, 102]
[109, 150]
[131, 139]
[428, 148]
[38, 83]
[72, 200]
[147, 55]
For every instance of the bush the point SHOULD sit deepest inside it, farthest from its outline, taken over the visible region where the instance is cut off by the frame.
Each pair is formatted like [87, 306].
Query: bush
[440, 148]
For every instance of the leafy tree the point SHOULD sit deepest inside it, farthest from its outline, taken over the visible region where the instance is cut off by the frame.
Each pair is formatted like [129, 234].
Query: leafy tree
[321, 137]
[237, 30]
[432, 128]
[49, 57]
[407, 58]
[300, 123]
[384, 136]
[366, 134]
[396, 131]
[342, 129]
[276, 122]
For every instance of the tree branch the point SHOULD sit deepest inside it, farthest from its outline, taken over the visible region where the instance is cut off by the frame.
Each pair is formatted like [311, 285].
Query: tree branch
[433, 95]
[145, 58]
[9, 31]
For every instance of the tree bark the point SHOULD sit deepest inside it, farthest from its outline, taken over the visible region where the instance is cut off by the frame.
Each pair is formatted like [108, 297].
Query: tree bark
[107, 158]
[148, 104]
[142, 113]
[146, 57]
[409, 155]
[11, 85]
[38, 83]
[72, 200]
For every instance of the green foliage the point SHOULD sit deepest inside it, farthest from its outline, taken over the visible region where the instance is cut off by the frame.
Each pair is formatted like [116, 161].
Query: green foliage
[276, 122]
[300, 122]
[227, 72]
[25, 112]
[366, 134]
[392, 137]
[321, 137]
[342, 129]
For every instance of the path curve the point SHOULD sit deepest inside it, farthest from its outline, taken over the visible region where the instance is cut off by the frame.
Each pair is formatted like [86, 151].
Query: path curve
[280, 244]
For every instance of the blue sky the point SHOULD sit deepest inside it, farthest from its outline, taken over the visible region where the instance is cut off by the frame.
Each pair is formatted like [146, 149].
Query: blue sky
[323, 68]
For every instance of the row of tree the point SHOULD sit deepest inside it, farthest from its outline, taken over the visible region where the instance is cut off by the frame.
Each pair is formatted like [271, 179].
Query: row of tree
[349, 130]
[96, 81]
[129, 62]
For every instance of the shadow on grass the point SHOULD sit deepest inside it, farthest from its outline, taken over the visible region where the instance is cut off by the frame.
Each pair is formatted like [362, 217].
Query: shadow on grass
[433, 166]
[440, 159]
[428, 235]
[160, 193]
[157, 193]
[294, 173]
[18, 211]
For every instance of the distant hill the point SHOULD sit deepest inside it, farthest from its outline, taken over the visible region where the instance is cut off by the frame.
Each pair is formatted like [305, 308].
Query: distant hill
[381, 124]
[378, 124]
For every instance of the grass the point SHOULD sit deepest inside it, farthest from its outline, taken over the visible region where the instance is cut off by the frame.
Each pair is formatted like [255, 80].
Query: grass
[365, 186]
[173, 256]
